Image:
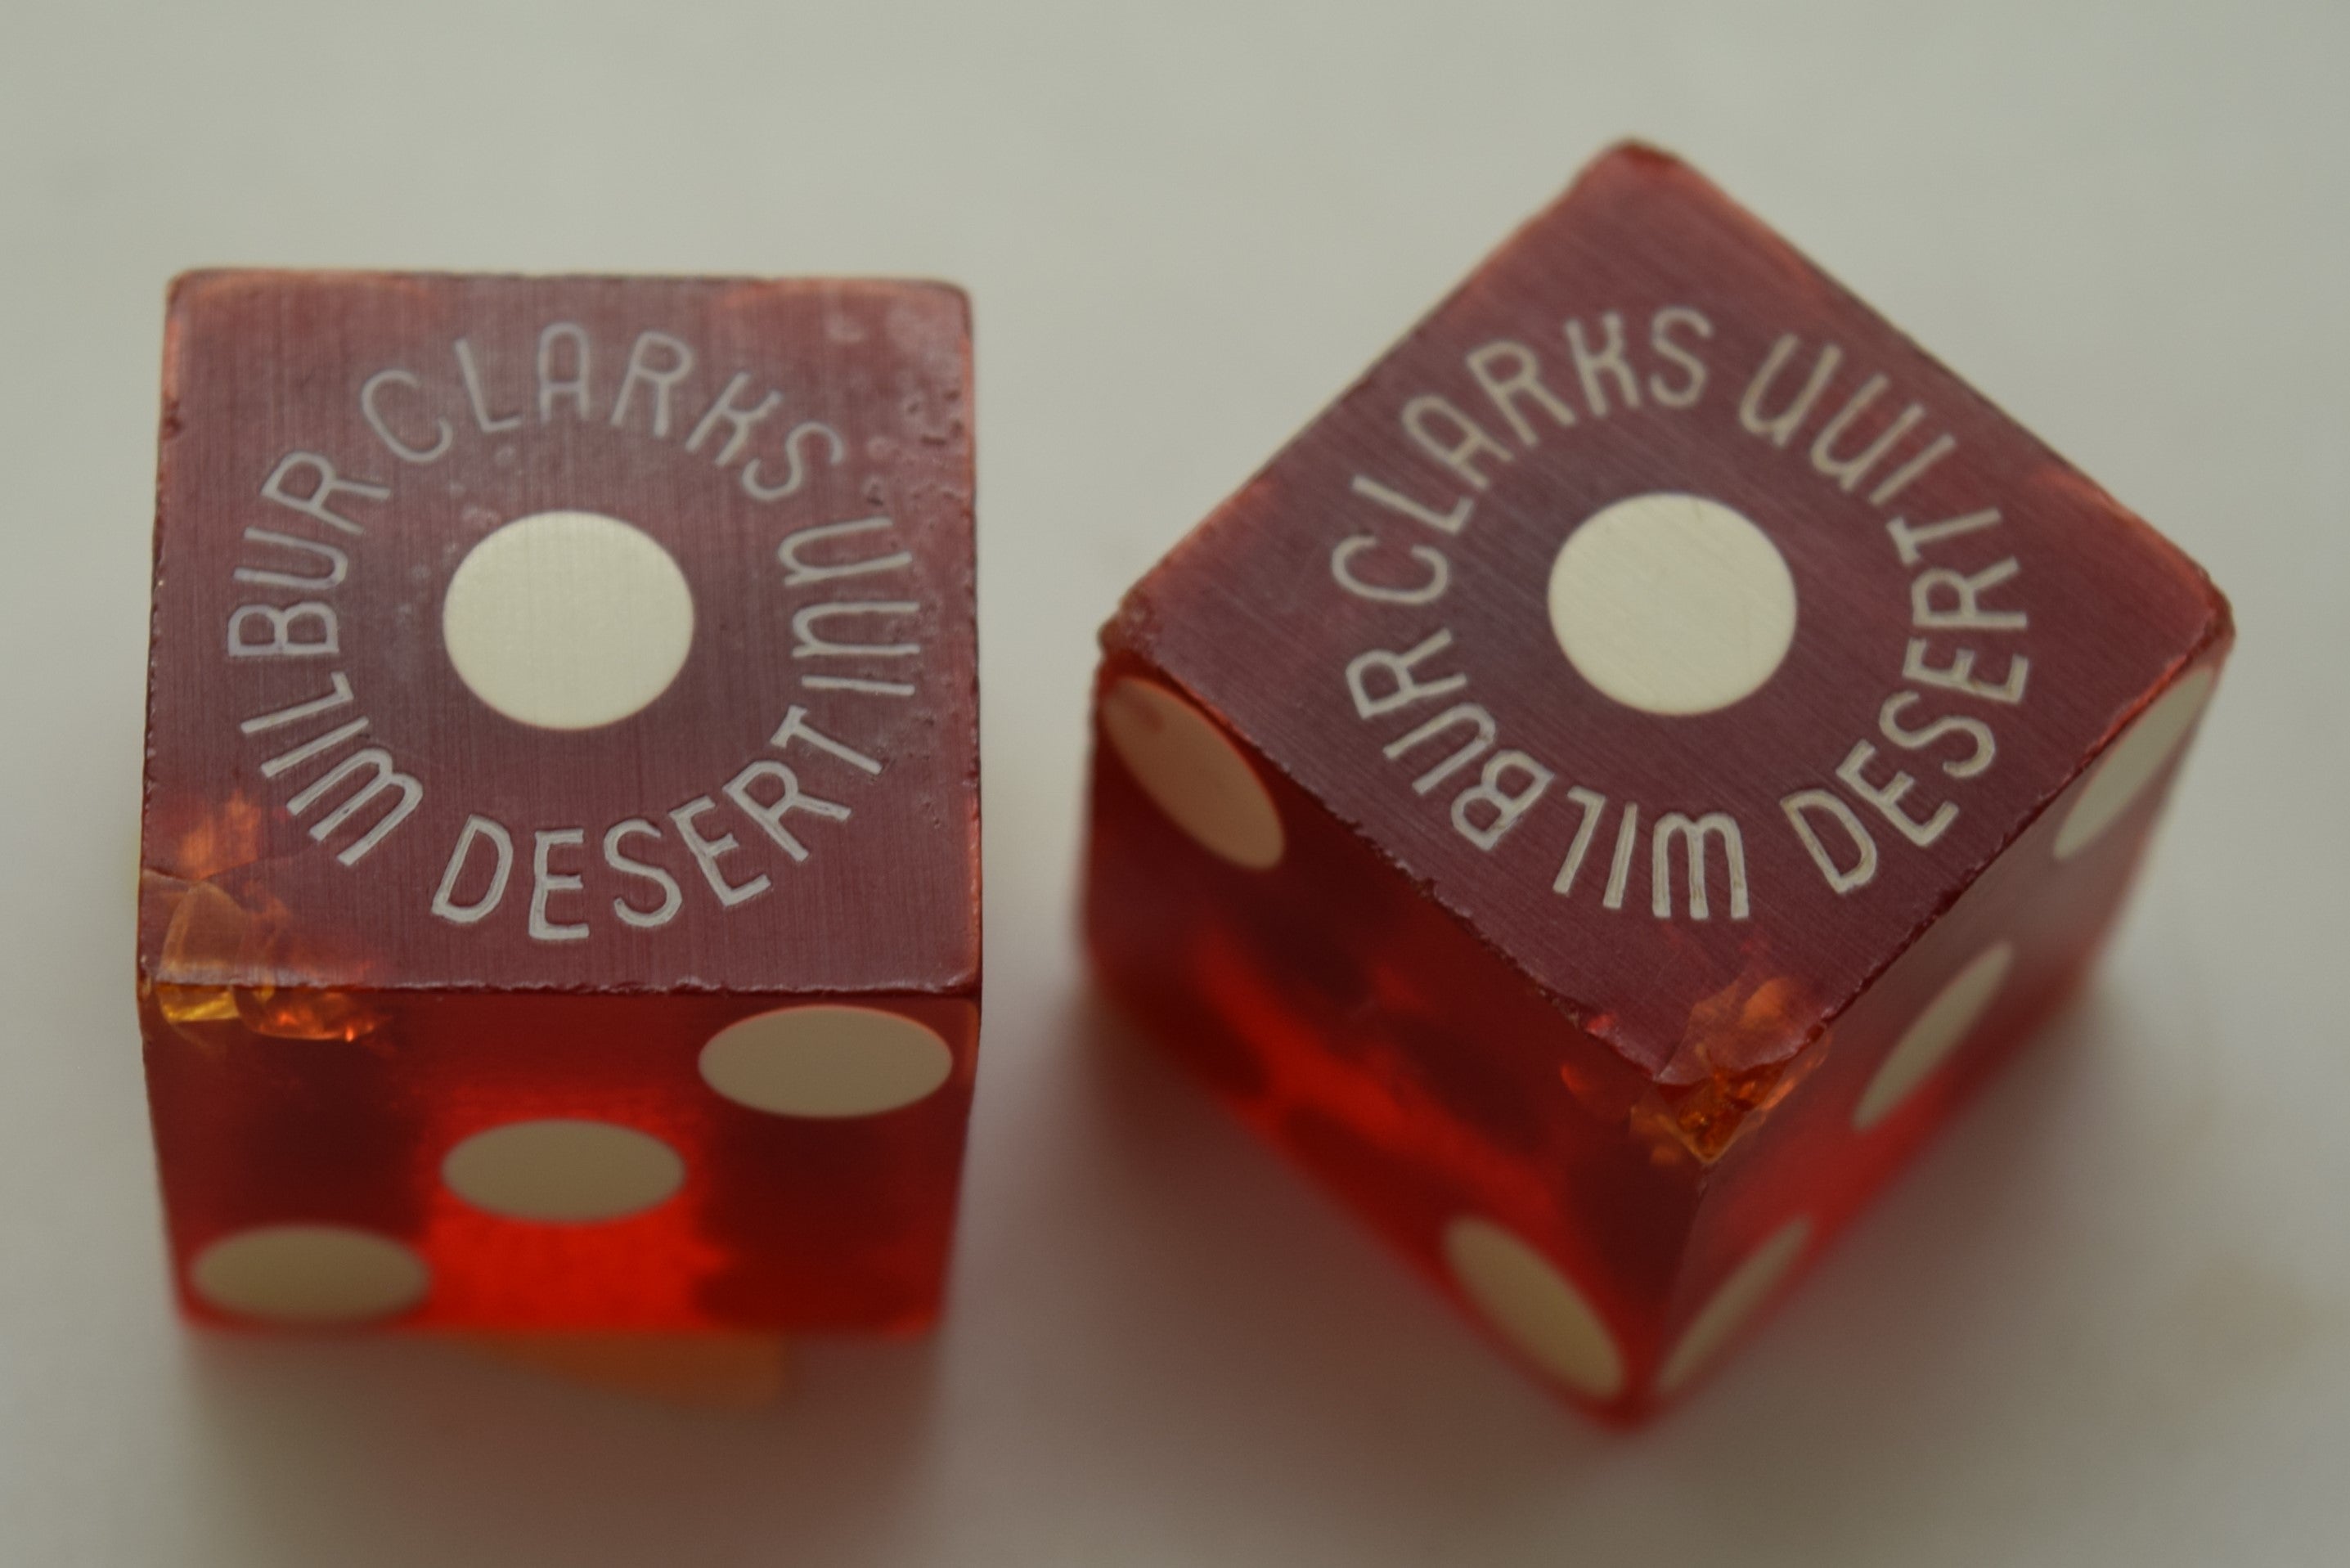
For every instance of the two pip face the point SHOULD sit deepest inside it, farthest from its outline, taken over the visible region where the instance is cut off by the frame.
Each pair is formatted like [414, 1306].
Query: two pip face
[1598, 801]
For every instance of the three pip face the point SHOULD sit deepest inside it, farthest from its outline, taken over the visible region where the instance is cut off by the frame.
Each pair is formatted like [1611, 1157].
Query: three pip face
[1598, 801]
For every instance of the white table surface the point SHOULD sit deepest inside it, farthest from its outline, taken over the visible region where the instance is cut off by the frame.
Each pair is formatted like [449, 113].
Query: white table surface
[2107, 1320]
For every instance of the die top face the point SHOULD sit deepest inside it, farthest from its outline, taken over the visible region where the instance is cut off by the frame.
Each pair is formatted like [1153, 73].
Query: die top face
[1686, 630]
[577, 633]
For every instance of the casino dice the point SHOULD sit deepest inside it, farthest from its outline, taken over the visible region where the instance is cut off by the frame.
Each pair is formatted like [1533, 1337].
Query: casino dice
[1605, 794]
[559, 893]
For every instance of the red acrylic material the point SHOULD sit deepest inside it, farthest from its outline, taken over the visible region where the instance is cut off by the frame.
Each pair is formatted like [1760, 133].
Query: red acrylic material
[380, 915]
[1478, 990]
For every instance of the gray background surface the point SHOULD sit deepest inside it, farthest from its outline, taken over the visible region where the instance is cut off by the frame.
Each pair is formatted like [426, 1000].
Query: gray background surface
[2108, 1320]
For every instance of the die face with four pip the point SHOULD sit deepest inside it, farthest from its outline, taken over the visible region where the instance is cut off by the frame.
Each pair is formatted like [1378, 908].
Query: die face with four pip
[1604, 794]
[559, 892]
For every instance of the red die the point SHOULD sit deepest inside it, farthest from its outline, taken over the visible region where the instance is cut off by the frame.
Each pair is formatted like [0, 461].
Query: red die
[1603, 796]
[559, 905]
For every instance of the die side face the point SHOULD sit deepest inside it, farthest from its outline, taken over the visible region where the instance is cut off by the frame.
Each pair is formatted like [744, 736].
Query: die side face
[678, 1164]
[559, 897]
[1347, 1017]
[1520, 1166]
[1569, 712]
[573, 633]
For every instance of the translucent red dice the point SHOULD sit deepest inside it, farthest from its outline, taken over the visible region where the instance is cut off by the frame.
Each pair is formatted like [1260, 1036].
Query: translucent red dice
[560, 894]
[1604, 794]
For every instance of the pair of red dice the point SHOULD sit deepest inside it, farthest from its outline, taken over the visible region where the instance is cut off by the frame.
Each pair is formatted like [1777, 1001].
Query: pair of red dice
[1598, 800]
